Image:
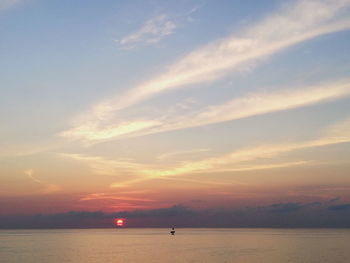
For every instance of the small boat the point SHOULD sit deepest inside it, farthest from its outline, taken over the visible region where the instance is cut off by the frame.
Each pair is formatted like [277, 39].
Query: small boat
[172, 231]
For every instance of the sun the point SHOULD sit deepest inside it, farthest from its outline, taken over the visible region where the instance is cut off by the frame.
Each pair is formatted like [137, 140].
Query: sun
[119, 222]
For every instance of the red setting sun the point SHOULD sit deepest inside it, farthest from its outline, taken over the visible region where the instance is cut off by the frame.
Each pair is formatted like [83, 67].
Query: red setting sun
[119, 222]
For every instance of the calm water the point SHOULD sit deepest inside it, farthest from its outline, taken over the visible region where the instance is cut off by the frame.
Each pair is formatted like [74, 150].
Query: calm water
[188, 245]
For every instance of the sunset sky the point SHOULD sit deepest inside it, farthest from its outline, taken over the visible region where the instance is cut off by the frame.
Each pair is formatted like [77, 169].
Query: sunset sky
[122, 105]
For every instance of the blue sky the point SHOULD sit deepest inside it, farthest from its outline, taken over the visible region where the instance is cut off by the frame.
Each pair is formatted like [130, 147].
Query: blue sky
[161, 99]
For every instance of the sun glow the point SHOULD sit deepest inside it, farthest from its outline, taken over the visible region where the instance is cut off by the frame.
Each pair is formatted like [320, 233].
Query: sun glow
[119, 222]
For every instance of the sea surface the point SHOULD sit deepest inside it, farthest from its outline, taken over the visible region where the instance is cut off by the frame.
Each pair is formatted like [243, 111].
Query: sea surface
[187, 245]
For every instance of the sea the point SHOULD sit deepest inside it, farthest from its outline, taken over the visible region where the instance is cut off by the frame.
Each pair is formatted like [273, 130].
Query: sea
[187, 245]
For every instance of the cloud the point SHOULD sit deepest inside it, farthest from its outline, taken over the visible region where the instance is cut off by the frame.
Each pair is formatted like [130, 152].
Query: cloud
[253, 104]
[325, 192]
[168, 155]
[201, 181]
[153, 31]
[105, 166]
[243, 159]
[176, 210]
[101, 196]
[262, 103]
[290, 207]
[342, 207]
[293, 24]
[218, 164]
[140, 172]
[333, 200]
[305, 20]
[90, 132]
[45, 187]
[304, 215]
[29, 173]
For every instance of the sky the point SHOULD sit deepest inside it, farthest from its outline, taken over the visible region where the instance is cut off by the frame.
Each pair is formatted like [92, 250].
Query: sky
[192, 105]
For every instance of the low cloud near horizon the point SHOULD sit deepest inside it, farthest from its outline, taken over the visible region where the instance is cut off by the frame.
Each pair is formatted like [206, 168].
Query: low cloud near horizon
[279, 215]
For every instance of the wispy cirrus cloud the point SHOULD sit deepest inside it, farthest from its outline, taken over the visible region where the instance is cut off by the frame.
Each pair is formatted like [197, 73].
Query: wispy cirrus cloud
[168, 155]
[46, 188]
[239, 160]
[132, 173]
[104, 196]
[262, 103]
[153, 31]
[210, 165]
[242, 107]
[92, 133]
[243, 159]
[291, 25]
[105, 166]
